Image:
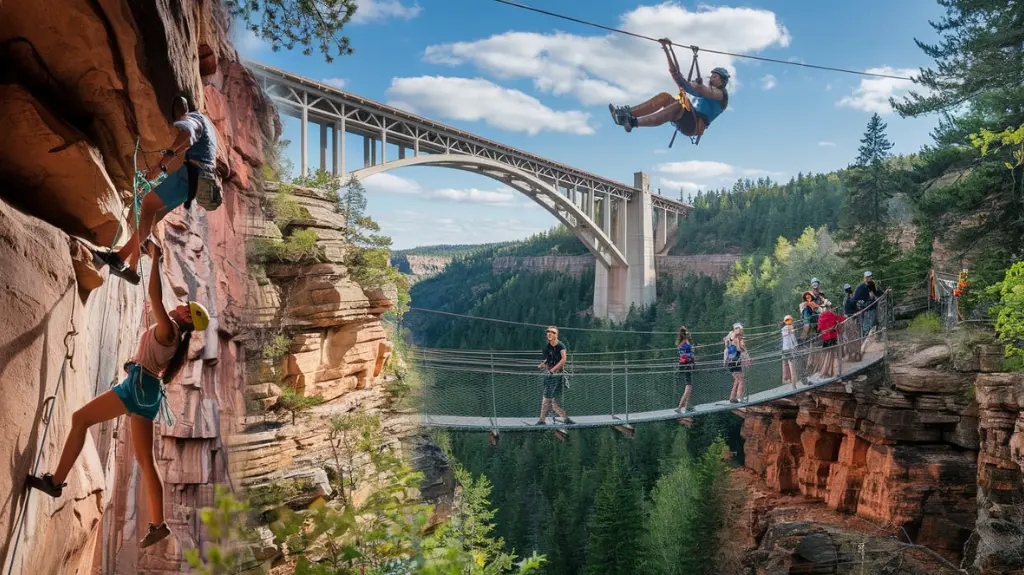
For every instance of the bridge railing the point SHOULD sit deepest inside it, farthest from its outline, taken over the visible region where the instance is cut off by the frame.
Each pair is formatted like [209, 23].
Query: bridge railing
[459, 387]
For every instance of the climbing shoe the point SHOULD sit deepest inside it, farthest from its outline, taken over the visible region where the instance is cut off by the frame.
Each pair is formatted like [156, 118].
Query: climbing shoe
[155, 534]
[117, 266]
[46, 485]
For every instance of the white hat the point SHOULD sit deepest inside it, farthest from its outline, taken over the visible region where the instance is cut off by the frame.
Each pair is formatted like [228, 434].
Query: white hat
[737, 325]
[867, 274]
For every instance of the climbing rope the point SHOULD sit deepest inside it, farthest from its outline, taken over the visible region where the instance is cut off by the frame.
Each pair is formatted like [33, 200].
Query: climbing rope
[49, 404]
[747, 56]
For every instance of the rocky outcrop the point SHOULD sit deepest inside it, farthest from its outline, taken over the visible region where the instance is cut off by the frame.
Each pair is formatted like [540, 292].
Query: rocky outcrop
[913, 446]
[81, 84]
[717, 266]
[900, 455]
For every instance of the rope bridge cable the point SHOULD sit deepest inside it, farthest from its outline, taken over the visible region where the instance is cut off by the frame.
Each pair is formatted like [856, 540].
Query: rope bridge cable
[486, 392]
[747, 56]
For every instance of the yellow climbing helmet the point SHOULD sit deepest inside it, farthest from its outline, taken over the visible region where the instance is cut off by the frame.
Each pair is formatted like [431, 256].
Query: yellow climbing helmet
[200, 317]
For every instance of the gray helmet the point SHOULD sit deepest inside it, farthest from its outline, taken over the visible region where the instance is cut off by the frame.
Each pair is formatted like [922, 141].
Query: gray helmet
[722, 72]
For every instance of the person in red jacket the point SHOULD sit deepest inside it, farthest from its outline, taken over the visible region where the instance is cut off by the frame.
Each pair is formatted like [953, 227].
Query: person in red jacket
[828, 327]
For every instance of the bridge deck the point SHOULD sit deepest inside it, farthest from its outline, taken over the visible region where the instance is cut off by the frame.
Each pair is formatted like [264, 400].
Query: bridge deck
[584, 421]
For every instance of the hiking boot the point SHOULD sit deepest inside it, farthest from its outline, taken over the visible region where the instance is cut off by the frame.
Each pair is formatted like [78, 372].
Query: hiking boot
[155, 534]
[46, 485]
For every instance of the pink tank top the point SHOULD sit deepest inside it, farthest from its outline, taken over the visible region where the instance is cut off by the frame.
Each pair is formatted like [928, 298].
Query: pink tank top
[153, 356]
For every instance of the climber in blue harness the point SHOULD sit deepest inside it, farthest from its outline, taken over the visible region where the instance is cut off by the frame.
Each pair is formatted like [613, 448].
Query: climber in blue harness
[690, 118]
[194, 175]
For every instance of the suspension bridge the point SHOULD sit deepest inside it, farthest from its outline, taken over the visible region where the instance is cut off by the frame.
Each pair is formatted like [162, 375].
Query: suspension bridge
[486, 390]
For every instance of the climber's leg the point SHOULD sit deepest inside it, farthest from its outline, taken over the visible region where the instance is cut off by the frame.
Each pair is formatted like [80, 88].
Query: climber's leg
[142, 445]
[651, 106]
[104, 407]
[669, 113]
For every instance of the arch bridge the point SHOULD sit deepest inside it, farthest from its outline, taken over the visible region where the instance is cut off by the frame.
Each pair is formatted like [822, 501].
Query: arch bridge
[623, 226]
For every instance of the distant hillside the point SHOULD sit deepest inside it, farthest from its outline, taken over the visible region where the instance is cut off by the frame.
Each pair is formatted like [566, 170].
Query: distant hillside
[449, 250]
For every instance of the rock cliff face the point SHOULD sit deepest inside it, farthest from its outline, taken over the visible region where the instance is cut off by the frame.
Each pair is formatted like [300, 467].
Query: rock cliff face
[905, 446]
[421, 267]
[80, 82]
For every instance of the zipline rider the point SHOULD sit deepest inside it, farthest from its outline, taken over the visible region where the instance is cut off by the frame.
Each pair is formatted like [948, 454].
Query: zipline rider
[554, 379]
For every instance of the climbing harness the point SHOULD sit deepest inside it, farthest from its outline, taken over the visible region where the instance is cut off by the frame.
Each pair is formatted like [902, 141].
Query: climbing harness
[684, 100]
[49, 404]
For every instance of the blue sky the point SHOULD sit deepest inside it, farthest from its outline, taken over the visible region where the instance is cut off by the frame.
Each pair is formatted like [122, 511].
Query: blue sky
[543, 85]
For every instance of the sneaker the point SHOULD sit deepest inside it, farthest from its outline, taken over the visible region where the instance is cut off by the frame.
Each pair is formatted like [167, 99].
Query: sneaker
[567, 420]
[541, 422]
[680, 409]
[690, 408]
[733, 400]
[622, 116]
[155, 534]
[46, 485]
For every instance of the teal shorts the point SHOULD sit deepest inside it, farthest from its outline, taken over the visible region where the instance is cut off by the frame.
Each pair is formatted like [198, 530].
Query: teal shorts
[173, 191]
[141, 392]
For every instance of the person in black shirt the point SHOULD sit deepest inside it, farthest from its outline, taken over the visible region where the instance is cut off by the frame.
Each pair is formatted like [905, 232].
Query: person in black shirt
[554, 380]
[850, 303]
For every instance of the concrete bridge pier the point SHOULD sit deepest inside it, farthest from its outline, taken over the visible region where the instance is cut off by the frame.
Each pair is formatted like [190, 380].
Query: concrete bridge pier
[618, 287]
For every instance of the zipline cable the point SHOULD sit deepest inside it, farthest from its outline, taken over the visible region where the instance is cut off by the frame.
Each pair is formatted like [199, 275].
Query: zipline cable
[760, 58]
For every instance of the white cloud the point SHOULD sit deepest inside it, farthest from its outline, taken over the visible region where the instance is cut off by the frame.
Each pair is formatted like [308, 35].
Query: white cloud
[249, 42]
[415, 230]
[680, 185]
[338, 83]
[696, 169]
[767, 82]
[387, 183]
[478, 99]
[374, 10]
[617, 68]
[872, 95]
[827, 144]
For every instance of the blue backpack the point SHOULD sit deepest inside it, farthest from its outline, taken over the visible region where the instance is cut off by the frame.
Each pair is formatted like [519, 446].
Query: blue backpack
[686, 353]
[733, 353]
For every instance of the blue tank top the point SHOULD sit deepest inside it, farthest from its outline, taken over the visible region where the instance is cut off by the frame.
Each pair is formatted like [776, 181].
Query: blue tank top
[711, 109]
[685, 353]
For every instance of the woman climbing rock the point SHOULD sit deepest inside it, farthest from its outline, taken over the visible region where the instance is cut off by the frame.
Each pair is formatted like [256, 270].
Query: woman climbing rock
[690, 118]
[189, 176]
[160, 355]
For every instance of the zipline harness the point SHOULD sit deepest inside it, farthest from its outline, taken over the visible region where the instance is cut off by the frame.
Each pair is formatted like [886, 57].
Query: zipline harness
[684, 100]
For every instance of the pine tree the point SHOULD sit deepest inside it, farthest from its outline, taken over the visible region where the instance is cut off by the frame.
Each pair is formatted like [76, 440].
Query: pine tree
[875, 145]
[615, 525]
[977, 82]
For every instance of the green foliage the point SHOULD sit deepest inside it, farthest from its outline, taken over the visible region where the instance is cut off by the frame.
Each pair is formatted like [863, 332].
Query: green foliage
[445, 249]
[752, 215]
[387, 532]
[278, 347]
[294, 403]
[290, 23]
[764, 290]
[683, 529]
[614, 527]
[286, 208]
[299, 246]
[976, 85]
[926, 324]
[1009, 312]
[984, 141]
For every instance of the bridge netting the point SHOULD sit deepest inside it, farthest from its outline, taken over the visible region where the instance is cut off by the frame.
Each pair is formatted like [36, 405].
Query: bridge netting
[502, 389]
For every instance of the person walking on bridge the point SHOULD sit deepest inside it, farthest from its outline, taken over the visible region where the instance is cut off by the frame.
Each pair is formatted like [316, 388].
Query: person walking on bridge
[687, 359]
[732, 357]
[161, 353]
[554, 379]
[189, 175]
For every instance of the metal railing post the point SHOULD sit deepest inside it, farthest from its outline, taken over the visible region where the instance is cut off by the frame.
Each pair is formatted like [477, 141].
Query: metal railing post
[626, 367]
[494, 402]
[613, 389]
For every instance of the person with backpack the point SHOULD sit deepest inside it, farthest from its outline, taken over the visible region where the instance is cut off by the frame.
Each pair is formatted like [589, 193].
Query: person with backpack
[190, 176]
[554, 379]
[162, 351]
[789, 343]
[732, 357]
[687, 359]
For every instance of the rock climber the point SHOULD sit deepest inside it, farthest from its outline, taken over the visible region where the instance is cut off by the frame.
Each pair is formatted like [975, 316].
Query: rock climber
[186, 174]
[161, 353]
[554, 379]
[732, 357]
[687, 360]
[691, 118]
